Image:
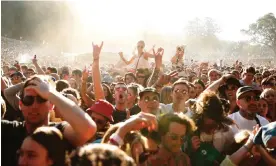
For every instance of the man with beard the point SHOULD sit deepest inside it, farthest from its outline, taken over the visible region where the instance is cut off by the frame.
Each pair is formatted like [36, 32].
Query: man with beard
[247, 100]
[37, 99]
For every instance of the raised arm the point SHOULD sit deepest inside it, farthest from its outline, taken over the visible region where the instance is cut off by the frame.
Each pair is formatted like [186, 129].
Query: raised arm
[12, 98]
[87, 100]
[81, 127]
[4, 85]
[96, 75]
[158, 63]
[38, 68]
[148, 54]
[126, 61]
[215, 85]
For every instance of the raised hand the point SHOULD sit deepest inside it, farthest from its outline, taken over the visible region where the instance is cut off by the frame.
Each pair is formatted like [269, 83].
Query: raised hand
[96, 51]
[142, 120]
[158, 56]
[41, 86]
[85, 74]
[121, 54]
[195, 143]
[166, 78]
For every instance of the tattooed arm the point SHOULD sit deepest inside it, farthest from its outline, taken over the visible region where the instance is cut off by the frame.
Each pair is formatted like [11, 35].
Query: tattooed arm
[154, 77]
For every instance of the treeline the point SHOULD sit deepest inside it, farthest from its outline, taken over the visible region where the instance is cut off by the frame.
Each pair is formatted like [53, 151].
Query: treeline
[49, 21]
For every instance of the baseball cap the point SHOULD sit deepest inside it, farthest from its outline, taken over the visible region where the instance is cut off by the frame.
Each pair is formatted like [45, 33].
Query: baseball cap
[245, 89]
[148, 89]
[104, 108]
[19, 74]
[265, 133]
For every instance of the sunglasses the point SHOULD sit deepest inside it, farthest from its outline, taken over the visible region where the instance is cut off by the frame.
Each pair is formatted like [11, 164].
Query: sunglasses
[145, 155]
[154, 99]
[98, 121]
[183, 91]
[29, 100]
[140, 46]
[251, 98]
[231, 88]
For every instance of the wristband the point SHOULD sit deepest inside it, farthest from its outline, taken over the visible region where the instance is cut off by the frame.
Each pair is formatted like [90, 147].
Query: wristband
[115, 138]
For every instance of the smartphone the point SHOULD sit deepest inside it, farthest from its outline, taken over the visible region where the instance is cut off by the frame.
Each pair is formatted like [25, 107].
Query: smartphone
[34, 56]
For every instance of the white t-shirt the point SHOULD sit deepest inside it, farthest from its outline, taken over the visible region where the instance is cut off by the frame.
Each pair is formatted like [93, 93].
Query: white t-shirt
[167, 108]
[245, 123]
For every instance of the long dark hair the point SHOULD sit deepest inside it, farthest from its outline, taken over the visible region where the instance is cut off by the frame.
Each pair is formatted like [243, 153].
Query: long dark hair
[52, 140]
[109, 96]
[209, 105]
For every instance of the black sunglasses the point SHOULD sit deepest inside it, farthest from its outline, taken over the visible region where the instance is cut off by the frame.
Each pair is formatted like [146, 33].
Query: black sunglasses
[249, 98]
[29, 100]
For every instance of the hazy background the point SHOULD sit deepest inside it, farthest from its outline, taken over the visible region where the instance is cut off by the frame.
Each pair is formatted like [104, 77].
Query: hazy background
[71, 26]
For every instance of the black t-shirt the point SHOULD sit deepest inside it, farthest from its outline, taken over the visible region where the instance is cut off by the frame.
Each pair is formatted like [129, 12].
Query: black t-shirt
[119, 116]
[12, 136]
[135, 110]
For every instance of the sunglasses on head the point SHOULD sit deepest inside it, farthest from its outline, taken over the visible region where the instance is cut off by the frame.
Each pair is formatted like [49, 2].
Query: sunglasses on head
[251, 98]
[29, 100]
[145, 155]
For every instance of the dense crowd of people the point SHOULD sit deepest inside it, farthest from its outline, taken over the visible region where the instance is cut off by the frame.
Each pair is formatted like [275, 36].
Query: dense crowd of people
[138, 113]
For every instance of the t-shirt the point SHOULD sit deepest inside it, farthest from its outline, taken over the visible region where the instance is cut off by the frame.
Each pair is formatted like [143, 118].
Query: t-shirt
[12, 136]
[167, 108]
[119, 116]
[135, 110]
[245, 123]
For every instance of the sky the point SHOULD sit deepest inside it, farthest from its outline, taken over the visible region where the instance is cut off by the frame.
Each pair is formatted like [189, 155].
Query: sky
[125, 20]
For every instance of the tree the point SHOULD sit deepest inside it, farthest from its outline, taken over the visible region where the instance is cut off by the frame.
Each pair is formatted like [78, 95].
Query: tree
[263, 31]
[50, 21]
[201, 36]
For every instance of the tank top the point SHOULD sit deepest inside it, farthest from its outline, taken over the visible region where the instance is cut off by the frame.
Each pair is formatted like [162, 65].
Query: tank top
[140, 62]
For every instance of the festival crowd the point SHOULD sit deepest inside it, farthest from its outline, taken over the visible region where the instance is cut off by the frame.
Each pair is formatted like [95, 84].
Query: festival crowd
[138, 113]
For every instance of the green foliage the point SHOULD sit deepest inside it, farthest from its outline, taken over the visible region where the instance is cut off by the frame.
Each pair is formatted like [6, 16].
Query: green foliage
[263, 31]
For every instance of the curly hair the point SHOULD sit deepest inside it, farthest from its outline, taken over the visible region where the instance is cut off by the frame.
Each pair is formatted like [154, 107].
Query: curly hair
[210, 106]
